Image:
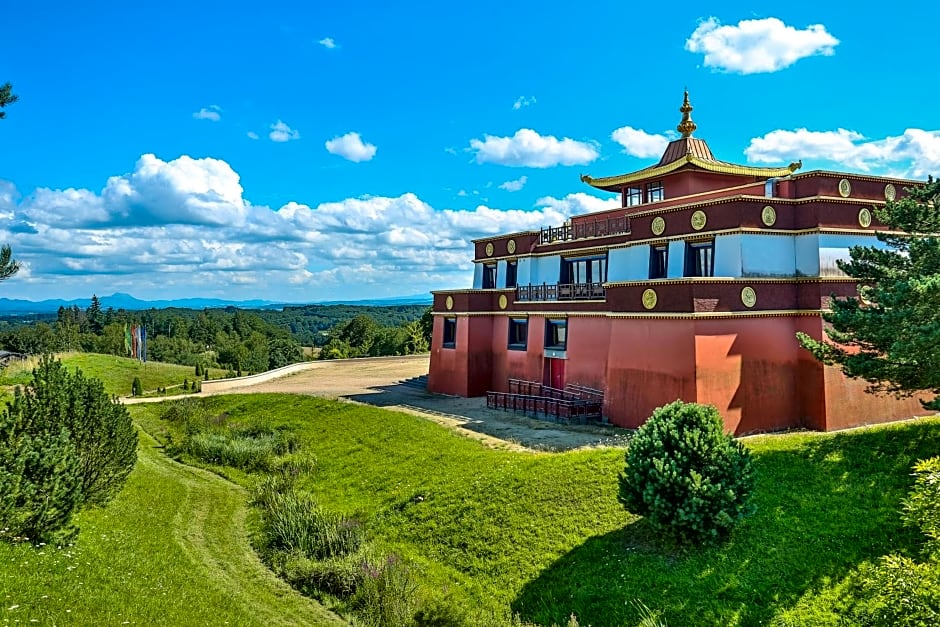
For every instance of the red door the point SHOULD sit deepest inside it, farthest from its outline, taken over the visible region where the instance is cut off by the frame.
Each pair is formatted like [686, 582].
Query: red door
[556, 369]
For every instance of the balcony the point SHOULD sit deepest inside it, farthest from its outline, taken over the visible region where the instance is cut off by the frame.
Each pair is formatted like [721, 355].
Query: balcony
[585, 228]
[560, 291]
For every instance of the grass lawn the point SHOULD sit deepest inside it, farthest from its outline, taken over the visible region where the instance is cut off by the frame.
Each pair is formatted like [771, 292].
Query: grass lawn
[543, 535]
[171, 549]
[117, 373]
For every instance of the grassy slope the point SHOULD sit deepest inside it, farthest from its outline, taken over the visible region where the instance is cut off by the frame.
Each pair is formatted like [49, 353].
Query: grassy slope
[543, 534]
[170, 550]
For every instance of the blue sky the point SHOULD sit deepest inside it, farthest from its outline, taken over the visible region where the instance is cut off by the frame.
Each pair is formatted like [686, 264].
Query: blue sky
[315, 151]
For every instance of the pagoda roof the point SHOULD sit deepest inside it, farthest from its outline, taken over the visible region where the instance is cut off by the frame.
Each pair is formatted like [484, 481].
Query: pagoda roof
[687, 151]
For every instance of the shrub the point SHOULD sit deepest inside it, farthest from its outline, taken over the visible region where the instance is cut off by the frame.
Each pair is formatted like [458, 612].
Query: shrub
[897, 592]
[137, 388]
[239, 449]
[63, 443]
[339, 576]
[388, 593]
[686, 476]
[921, 508]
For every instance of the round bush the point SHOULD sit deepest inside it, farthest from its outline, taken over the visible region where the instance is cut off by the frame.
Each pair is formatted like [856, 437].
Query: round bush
[690, 479]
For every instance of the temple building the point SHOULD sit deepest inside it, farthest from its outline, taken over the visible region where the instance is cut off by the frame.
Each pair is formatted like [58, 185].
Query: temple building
[693, 289]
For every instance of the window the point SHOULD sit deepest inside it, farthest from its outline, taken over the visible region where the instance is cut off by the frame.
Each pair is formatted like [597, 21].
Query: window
[654, 191]
[632, 196]
[450, 333]
[659, 261]
[518, 333]
[584, 270]
[489, 276]
[556, 334]
[700, 258]
[512, 268]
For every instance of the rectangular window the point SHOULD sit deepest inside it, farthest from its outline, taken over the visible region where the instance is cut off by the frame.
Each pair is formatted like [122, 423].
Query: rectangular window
[518, 333]
[654, 191]
[489, 276]
[556, 334]
[632, 196]
[512, 269]
[584, 270]
[450, 333]
[659, 261]
[700, 258]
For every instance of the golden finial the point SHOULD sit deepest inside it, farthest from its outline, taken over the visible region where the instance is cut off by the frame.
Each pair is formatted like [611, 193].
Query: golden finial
[686, 126]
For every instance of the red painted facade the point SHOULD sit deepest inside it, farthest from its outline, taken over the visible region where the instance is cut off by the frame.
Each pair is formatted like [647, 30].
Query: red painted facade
[728, 341]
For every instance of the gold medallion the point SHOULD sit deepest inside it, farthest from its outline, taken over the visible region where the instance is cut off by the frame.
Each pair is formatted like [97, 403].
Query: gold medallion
[890, 192]
[503, 301]
[649, 298]
[845, 188]
[864, 218]
[748, 297]
[768, 215]
[511, 246]
[658, 226]
[489, 249]
[449, 303]
[698, 220]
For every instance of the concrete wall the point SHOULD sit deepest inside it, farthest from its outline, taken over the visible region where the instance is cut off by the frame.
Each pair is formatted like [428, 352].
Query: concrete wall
[222, 385]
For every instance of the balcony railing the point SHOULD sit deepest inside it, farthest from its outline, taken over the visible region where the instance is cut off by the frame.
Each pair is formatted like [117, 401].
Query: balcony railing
[560, 291]
[585, 228]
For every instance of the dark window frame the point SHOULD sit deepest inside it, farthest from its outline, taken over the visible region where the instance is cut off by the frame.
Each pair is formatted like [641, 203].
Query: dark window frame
[489, 276]
[659, 261]
[449, 336]
[655, 191]
[512, 273]
[518, 334]
[570, 269]
[632, 196]
[556, 333]
[700, 259]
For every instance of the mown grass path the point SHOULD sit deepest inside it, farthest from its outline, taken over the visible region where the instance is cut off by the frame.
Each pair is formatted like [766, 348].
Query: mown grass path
[171, 549]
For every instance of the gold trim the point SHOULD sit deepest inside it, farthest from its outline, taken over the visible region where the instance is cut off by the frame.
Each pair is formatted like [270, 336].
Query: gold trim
[768, 215]
[641, 315]
[503, 301]
[890, 192]
[698, 220]
[489, 249]
[649, 298]
[511, 246]
[845, 188]
[658, 225]
[864, 218]
[449, 303]
[729, 281]
[706, 164]
[748, 297]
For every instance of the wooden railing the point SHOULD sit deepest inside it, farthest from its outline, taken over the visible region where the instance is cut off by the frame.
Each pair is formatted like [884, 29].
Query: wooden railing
[585, 228]
[560, 291]
[575, 403]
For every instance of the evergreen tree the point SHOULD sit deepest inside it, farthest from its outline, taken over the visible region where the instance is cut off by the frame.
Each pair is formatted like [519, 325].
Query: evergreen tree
[95, 315]
[8, 265]
[890, 335]
[7, 97]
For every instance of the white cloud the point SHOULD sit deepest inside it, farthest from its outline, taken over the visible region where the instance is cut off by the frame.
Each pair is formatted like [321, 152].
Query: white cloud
[350, 146]
[213, 113]
[915, 153]
[577, 203]
[529, 149]
[639, 143]
[522, 101]
[514, 186]
[754, 46]
[327, 42]
[281, 132]
[252, 135]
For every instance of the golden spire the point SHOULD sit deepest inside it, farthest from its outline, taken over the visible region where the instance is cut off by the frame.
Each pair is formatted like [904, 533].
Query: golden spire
[686, 126]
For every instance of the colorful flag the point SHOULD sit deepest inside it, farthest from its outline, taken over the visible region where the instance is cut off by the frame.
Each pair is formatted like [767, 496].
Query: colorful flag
[127, 340]
[143, 342]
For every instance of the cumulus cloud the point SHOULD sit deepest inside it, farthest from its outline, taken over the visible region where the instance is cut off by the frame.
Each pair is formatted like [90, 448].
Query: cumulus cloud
[281, 132]
[213, 113]
[252, 135]
[184, 227]
[350, 146]
[327, 42]
[514, 186]
[522, 101]
[915, 153]
[639, 143]
[755, 46]
[529, 149]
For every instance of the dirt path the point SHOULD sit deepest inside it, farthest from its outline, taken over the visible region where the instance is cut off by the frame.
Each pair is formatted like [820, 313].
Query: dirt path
[390, 382]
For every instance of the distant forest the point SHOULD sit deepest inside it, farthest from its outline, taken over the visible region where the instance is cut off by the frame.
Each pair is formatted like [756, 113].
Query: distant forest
[238, 339]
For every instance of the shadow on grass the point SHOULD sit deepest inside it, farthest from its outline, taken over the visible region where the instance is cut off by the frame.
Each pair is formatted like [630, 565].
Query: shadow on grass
[825, 503]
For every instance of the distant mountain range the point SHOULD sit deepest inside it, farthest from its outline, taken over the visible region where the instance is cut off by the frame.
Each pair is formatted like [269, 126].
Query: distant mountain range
[12, 306]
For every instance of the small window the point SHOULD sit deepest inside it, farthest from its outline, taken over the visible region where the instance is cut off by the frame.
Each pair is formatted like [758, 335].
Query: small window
[700, 258]
[654, 191]
[489, 276]
[659, 261]
[632, 196]
[556, 334]
[584, 270]
[518, 333]
[512, 269]
[450, 333]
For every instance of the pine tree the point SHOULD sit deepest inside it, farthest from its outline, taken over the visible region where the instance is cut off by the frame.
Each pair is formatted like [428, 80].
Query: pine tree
[7, 97]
